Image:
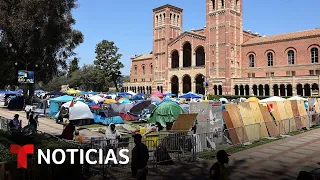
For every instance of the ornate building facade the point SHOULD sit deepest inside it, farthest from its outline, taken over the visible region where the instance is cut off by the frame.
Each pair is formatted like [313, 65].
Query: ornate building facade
[231, 60]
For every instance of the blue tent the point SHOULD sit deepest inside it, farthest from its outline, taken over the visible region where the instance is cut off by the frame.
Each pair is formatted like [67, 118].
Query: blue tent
[103, 119]
[13, 92]
[165, 100]
[124, 94]
[54, 103]
[190, 95]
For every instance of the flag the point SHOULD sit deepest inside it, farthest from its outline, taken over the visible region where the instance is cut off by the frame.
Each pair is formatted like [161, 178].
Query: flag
[72, 103]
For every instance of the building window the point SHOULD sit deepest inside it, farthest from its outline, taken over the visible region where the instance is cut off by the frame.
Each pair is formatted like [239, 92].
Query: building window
[249, 75]
[270, 59]
[291, 73]
[135, 70]
[213, 4]
[222, 4]
[272, 74]
[290, 57]
[314, 55]
[311, 72]
[317, 72]
[151, 69]
[253, 74]
[143, 70]
[251, 60]
[267, 74]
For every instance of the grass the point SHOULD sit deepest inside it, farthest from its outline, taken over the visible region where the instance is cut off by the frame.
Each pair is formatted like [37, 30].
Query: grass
[210, 154]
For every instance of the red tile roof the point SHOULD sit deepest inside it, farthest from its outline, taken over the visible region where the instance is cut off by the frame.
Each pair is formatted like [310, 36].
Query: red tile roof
[281, 37]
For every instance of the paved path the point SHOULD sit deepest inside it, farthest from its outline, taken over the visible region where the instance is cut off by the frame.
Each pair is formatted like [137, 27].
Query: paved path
[46, 125]
[279, 160]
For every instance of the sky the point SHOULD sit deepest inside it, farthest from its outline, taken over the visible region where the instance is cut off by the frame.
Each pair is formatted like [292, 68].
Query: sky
[129, 23]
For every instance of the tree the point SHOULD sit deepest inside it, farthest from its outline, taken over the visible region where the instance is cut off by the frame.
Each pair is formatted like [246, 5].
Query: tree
[107, 60]
[74, 66]
[37, 35]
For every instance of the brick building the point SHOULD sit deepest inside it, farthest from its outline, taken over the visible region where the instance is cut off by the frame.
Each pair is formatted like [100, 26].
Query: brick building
[230, 59]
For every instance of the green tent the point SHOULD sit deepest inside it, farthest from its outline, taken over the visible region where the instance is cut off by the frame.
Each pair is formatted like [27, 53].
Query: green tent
[165, 112]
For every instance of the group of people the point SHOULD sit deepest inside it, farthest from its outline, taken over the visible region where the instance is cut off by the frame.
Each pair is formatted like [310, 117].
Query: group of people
[15, 124]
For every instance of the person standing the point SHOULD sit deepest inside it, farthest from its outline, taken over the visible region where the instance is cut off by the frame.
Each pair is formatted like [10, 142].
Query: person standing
[218, 171]
[33, 121]
[140, 157]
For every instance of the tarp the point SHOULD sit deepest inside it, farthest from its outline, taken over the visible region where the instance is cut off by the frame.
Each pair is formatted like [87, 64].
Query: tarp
[78, 111]
[166, 112]
[127, 116]
[103, 119]
[139, 106]
[166, 99]
[54, 103]
[191, 95]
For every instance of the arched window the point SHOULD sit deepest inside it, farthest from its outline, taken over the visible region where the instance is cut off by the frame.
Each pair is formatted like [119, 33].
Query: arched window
[270, 59]
[290, 57]
[151, 69]
[314, 55]
[222, 4]
[143, 69]
[251, 60]
[200, 56]
[157, 20]
[178, 20]
[213, 4]
[160, 22]
[135, 70]
[237, 5]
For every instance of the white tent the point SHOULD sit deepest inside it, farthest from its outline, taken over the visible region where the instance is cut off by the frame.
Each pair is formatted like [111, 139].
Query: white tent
[96, 98]
[298, 98]
[78, 111]
[132, 93]
[273, 98]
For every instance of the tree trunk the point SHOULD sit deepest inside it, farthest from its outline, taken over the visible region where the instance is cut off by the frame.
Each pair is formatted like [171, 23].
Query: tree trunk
[116, 85]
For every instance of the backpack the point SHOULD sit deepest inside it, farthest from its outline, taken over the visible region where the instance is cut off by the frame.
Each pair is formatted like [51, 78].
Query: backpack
[11, 125]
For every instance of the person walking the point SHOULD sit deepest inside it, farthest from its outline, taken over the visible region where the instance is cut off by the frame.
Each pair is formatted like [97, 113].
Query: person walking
[218, 171]
[140, 157]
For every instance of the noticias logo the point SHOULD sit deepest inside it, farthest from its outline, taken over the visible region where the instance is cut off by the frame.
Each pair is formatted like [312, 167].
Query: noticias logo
[84, 156]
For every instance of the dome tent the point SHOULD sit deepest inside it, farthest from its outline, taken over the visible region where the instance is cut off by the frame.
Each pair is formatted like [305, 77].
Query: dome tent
[165, 112]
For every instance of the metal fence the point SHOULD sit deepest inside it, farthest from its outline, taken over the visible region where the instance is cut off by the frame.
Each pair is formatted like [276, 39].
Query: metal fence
[4, 123]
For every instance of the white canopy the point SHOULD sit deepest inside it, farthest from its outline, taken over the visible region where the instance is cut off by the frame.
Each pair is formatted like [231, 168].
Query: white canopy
[78, 111]
[273, 98]
[298, 98]
[96, 98]
[132, 93]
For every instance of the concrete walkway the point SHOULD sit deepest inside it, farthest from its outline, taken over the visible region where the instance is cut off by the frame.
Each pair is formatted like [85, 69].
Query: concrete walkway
[278, 160]
[47, 125]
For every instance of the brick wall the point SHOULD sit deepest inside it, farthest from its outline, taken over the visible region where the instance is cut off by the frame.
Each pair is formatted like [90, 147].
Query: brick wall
[302, 57]
[147, 63]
